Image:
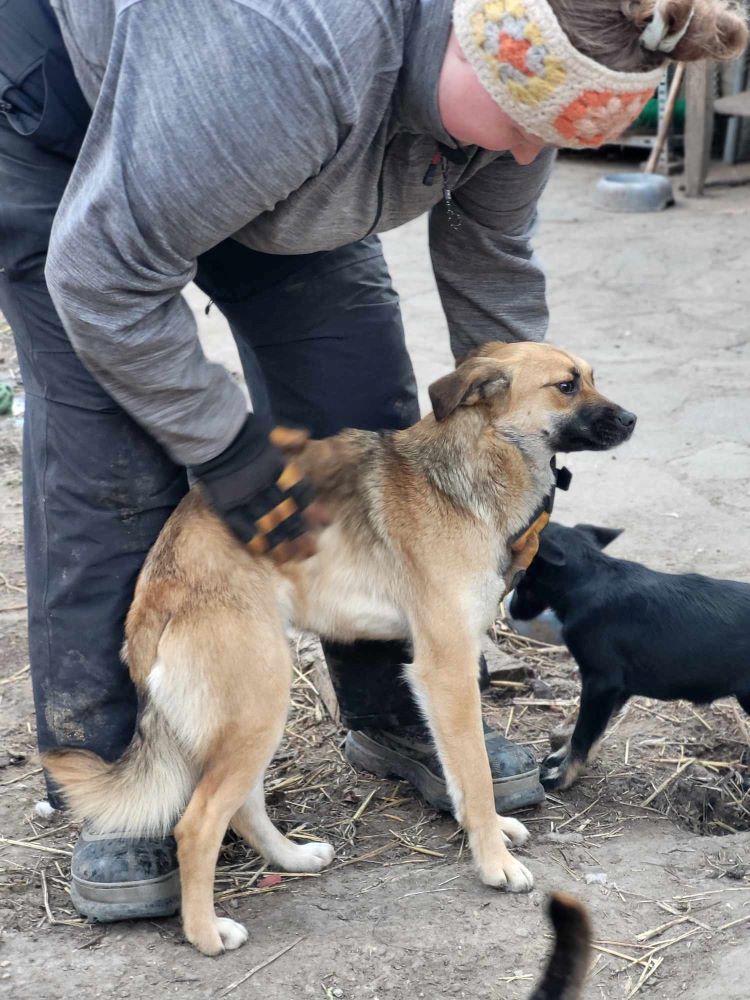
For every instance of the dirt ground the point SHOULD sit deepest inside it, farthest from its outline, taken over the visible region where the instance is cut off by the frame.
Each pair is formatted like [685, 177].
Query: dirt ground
[651, 839]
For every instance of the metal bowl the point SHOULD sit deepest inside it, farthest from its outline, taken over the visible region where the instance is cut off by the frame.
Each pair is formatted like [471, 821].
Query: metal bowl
[633, 193]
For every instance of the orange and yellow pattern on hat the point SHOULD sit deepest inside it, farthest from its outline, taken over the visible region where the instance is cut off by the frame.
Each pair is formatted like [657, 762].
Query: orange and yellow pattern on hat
[597, 116]
[515, 50]
[542, 82]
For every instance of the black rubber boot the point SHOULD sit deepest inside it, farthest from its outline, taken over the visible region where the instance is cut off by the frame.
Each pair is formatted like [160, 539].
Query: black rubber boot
[410, 754]
[124, 878]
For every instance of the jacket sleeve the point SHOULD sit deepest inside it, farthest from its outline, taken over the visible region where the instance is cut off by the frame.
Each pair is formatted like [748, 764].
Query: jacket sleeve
[491, 282]
[194, 134]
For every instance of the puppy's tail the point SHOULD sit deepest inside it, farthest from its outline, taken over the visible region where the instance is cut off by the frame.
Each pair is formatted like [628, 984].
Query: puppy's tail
[569, 961]
[143, 793]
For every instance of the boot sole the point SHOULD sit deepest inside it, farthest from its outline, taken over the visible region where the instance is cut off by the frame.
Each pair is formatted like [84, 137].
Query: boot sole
[105, 902]
[516, 792]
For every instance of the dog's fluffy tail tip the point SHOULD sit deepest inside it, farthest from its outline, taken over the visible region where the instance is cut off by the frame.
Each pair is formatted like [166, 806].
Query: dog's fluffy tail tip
[82, 776]
[568, 964]
[67, 765]
[141, 794]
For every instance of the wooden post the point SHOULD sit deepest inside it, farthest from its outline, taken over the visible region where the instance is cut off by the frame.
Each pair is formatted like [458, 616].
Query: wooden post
[734, 77]
[699, 124]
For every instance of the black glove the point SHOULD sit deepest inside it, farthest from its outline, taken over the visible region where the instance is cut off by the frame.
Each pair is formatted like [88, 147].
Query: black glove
[258, 496]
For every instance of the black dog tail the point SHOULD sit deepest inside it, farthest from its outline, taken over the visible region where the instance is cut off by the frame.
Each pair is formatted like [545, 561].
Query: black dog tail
[569, 961]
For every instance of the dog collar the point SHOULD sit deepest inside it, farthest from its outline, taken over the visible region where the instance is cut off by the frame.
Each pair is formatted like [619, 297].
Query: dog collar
[528, 65]
[563, 476]
[562, 480]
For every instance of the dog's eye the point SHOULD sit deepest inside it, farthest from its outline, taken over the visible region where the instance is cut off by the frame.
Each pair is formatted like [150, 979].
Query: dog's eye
[567, 388]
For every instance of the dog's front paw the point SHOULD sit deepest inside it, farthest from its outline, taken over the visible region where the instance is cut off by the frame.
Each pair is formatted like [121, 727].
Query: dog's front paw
[556, 757]
[217, 936]
[232, 934]
[559, 772]
[497, 866]
[507, 873]
[552, 779]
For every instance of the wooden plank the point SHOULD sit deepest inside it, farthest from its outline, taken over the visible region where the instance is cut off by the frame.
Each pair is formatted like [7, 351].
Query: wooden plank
[734, 104]
[699, 124]
[321, 681]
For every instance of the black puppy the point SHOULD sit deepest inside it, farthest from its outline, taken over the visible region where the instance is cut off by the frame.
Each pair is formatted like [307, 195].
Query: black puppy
[633, 631]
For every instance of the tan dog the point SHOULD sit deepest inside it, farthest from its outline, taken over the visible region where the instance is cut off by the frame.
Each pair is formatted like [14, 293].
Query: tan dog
[418, 548]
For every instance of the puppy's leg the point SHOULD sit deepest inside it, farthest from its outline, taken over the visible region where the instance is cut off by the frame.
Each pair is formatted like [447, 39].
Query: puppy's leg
[598, 703]
[444, 679]
[251, 822]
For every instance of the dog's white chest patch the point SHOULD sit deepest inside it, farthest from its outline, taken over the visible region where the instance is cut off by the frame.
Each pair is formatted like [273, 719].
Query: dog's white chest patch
[485, 600]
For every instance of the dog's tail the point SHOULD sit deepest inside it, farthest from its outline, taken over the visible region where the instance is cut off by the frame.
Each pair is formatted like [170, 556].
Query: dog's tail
[143, 793]
[569, 961]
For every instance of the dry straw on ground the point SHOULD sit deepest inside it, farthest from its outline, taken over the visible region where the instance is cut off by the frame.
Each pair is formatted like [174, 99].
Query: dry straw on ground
[686, 763]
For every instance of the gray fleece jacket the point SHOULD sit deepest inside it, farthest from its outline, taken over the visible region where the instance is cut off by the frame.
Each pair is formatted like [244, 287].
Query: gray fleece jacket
[292, 127]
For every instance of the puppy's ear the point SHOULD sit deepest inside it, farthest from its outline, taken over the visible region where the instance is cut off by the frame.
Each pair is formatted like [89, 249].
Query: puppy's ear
[550, 552]
[601, 537]
[475, 380]
[290, 440]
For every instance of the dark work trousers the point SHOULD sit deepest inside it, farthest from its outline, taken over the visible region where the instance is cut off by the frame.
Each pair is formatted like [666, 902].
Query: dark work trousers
[322, 346]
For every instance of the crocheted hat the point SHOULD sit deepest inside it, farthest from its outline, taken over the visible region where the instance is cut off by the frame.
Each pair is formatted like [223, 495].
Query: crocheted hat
[525, 60]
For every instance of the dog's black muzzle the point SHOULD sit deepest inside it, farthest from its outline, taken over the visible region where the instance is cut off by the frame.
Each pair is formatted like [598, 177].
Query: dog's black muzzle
[594, 428]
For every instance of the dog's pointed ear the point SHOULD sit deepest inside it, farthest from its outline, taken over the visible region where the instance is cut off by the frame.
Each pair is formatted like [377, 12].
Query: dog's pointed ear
[549, 551]
[475, 380]
[601, 537]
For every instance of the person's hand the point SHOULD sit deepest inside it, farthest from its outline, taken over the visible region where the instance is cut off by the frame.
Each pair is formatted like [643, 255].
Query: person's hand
[265, 501]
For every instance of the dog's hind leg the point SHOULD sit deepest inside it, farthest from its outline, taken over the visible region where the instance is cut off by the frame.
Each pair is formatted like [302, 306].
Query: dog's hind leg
[199, 833]
[245, 709]
[251, 822]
